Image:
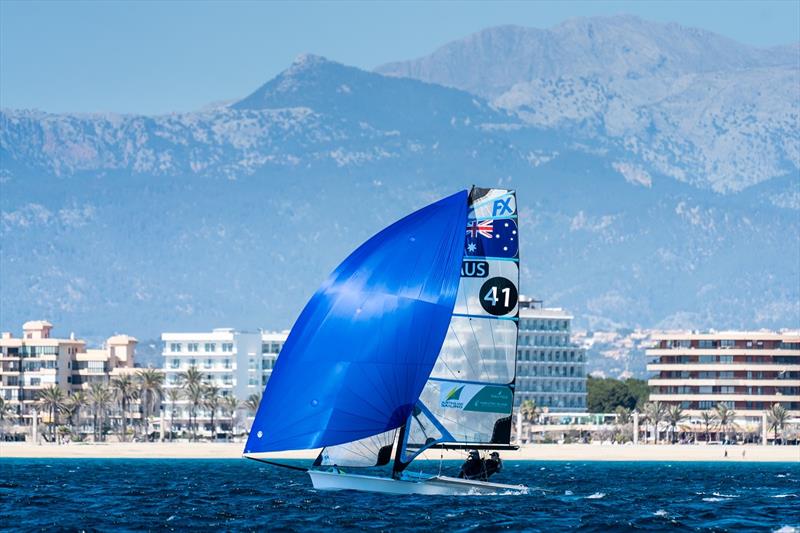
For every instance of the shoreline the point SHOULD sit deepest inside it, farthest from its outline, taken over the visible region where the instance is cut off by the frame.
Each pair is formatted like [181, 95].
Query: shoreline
[539, 452]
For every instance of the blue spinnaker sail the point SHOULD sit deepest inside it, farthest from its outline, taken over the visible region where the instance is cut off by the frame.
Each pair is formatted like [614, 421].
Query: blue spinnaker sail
[361, 351]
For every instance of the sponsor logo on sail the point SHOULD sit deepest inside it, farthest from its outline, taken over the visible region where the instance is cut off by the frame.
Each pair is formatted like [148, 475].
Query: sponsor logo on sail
[452, 399]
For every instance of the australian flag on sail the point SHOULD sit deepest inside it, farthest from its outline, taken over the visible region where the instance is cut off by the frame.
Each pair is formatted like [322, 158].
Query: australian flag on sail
[491, 238]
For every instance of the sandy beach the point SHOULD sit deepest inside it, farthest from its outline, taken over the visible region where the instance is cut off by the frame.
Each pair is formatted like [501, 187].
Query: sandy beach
[542, 452]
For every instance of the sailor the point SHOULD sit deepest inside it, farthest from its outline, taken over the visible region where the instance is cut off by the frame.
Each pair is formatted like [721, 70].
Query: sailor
[492, 465]
[472, 467]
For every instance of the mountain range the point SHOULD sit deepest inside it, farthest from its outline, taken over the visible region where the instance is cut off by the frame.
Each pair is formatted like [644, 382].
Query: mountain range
[656, 168]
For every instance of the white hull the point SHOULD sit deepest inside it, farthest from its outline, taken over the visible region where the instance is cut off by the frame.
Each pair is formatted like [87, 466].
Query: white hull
[323, 480]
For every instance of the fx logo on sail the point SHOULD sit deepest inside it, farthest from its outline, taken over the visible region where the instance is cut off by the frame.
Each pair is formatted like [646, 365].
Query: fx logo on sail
[502, 207]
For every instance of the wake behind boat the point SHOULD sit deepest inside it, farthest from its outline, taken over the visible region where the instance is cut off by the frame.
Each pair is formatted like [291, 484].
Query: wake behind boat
[408, 346]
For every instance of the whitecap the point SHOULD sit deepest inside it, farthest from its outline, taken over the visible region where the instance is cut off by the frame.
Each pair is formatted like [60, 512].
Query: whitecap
[716, 499]
[724, 495]
[785, 496]
[567, 493]
[171, 517]
[660, 512]
[787, 529]
[596, 496]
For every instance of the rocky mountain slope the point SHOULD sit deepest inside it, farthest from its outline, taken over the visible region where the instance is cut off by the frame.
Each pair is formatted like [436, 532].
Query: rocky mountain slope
[682, 102]
[232, 216]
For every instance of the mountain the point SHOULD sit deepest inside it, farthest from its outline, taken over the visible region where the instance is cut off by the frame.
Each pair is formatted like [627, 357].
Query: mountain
[233, 215]
[684, 102]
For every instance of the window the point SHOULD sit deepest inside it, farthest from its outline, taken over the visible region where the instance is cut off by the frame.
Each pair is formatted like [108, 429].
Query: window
[227, 363]
[727, 343]
[211, 347]
[227, 346]
[192, 346]
[175, 363]
[175, 347]
[207, 363]
[192, 362]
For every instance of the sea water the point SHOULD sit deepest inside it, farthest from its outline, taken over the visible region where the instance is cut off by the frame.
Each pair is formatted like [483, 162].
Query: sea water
[140, 494]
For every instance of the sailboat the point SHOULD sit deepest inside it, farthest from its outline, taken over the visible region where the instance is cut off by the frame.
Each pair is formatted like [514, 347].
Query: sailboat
[408, 346]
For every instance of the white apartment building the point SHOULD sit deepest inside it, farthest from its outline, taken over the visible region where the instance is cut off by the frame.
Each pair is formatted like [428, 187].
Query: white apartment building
[239, 363]
[551, 370]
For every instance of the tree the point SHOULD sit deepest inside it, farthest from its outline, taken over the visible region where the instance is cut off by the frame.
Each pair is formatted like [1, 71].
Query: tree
[195, 393]
[52, 400]
[604, 395]
[174, 396]
[192, 376]
[229, 406]
[124, 388]
[675, 416]
[100, 398]
[151, 382]
[74, 405]
[709, 419]
[6, 412]
[725, 416]
[654, 412]
[528, 410]
[624, 416]
[777, 416]
[252, 402]
[211, 401]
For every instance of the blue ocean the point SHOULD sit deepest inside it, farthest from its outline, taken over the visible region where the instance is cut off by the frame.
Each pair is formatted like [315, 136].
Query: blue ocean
[121, 494]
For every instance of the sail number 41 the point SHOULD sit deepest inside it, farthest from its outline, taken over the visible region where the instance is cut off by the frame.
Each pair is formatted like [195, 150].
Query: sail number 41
[498, 296]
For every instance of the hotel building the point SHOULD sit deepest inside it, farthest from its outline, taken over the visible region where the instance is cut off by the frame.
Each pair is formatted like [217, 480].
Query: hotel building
[37, 360]
[748, 371]
[238, 362]
[551, 370]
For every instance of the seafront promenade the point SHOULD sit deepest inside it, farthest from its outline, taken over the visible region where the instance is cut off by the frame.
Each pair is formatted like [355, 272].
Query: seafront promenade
[541, 452]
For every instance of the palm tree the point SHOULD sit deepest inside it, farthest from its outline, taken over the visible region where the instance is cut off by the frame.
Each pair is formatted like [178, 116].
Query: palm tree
[195, 393]
[654, 412]
[192, 376]
[211, 401]
[6, 411]
[76, 402]
[528, 410]
[252, 402]
[777, 416]
[151, 382]
[623, 415]
[100, 398]
[174, 396]
[675, 416]
[709, 420]
[725, 416]
[125, 391]
[52, 400]
[229, 406]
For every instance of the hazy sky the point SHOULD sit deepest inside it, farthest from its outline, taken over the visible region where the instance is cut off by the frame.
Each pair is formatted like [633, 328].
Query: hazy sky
[153, 57]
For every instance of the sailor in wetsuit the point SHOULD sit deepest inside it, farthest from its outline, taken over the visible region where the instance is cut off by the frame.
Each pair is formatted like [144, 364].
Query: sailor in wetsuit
[472, 467]
[492, 465]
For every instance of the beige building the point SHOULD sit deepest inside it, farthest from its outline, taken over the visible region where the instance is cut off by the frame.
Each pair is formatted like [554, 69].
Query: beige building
[748, 371]
[37, 360]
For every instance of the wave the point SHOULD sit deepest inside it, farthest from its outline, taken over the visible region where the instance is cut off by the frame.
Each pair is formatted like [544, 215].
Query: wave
[596, 496]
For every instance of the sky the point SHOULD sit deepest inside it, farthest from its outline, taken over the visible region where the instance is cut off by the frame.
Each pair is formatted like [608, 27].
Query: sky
[160, 57]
